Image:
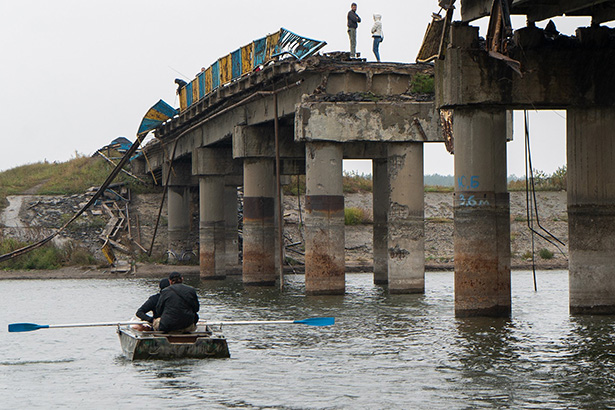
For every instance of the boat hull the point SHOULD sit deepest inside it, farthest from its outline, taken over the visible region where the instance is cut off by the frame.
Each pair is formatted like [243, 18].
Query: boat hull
[138, 345]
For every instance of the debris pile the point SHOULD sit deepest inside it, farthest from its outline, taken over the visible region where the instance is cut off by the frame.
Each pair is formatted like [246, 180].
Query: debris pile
[103, 230]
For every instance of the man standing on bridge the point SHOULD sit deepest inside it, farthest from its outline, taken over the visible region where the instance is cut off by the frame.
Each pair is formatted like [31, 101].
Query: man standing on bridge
[353, 23]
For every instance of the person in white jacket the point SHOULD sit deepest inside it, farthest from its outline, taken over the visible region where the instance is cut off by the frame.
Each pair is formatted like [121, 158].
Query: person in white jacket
[377, 35]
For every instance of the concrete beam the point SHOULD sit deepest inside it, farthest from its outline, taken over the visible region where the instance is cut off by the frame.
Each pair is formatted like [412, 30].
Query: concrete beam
[212, 161]
[259, 142]
[365, 150]
[367, 121]
[475, 9]
[552, 77]
[180, 175]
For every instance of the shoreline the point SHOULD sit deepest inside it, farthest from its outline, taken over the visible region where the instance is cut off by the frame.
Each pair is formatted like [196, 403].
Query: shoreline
[159, 271]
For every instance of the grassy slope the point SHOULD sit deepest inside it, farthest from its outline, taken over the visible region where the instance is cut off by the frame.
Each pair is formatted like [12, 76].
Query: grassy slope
[72, 177]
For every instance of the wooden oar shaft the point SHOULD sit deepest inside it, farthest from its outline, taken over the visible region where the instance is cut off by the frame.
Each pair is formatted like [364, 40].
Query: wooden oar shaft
[259, 322]
[99, 324]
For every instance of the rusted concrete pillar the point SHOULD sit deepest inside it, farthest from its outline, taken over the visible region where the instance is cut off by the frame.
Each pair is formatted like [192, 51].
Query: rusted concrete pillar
[380, 201]
[231, 246]
[324, 219]
[178, 208]
[482, 214]
[211, 233]
[591, 210]
[179, 219]
[258, 222]
[406, 236]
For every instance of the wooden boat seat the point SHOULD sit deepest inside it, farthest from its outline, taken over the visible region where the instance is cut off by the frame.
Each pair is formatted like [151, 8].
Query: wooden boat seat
[177, 337]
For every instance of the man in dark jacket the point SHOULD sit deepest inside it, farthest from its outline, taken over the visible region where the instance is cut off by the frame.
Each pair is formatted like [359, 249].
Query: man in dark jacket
[176, 310]
[353, 23]
[150, 304]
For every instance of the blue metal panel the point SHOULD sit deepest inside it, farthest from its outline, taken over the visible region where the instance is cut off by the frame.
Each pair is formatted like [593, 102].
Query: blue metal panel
[189, 94]
[201, 77]
[297, 46]
[236, 62]
[159, 113]
[260, 50]
[215, 76]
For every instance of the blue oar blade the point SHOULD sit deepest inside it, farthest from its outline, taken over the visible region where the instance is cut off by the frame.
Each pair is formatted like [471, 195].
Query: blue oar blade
[25, 327]
[317, 321]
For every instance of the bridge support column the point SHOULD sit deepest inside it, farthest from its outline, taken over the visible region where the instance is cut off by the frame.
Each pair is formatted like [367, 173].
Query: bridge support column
[231, 237]
[324, 219]
[212, 233]
[591, 210]
[211, 165]
[380, 200]
[406, 226]
[179, 219]
[258, 224]
[178, 208]
[482, 214]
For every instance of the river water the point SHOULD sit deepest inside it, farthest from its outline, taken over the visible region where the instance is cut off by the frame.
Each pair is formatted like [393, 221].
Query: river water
[384, 352]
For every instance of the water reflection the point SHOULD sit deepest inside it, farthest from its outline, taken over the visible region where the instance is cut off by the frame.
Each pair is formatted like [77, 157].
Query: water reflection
[385, 351]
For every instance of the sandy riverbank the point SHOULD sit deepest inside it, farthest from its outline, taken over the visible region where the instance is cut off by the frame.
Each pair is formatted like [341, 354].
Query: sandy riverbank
[439, 231]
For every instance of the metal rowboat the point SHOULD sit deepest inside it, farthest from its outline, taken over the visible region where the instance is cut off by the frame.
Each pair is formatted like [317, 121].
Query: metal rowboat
[147, 345]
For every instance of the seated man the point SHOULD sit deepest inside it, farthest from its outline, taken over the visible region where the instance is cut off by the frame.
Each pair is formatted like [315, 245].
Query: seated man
[177, 307]
[150, 306]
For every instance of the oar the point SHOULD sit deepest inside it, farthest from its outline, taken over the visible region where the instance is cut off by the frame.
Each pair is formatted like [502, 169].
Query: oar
[314, 321]
[29, 327]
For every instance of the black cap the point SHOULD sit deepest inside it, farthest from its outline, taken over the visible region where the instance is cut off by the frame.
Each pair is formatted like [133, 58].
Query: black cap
[175, 275]
[164, 283]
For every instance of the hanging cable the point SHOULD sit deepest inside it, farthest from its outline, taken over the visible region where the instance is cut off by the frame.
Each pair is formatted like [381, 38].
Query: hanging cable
[532, 203]
[528, 206]
[299, 206]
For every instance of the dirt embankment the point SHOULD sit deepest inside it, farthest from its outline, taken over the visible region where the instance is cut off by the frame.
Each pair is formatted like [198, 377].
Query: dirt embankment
[38, 214]
[439, 231]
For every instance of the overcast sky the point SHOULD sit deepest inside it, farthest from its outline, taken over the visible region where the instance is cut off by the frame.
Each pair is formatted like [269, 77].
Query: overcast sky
[77, 74]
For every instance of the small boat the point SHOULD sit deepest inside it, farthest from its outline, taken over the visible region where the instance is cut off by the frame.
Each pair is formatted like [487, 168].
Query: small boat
[145, 345]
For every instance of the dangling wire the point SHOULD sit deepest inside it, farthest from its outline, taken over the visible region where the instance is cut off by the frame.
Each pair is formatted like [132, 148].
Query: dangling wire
[299, 205]
[532, 203]
[528, 205]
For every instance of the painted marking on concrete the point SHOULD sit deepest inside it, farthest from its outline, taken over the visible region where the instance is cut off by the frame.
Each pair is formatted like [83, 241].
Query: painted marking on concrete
[471, 182]
[471, 201]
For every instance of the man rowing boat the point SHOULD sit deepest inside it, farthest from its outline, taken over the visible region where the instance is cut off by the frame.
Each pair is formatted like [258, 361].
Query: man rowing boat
[177, 307]
[150, 305]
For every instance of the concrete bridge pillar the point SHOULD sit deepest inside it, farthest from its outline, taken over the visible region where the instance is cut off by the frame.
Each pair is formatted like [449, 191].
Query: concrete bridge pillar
[178, 208]
[212, 164]
[591, 210]
[324, 219]
[406, 226]
[212, 233]
[380, 200]
[231, 237]
[482, 214]
[258, 222]
[179, 219]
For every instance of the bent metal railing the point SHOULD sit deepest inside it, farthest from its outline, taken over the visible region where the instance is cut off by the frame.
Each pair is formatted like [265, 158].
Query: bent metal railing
[245, 60]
